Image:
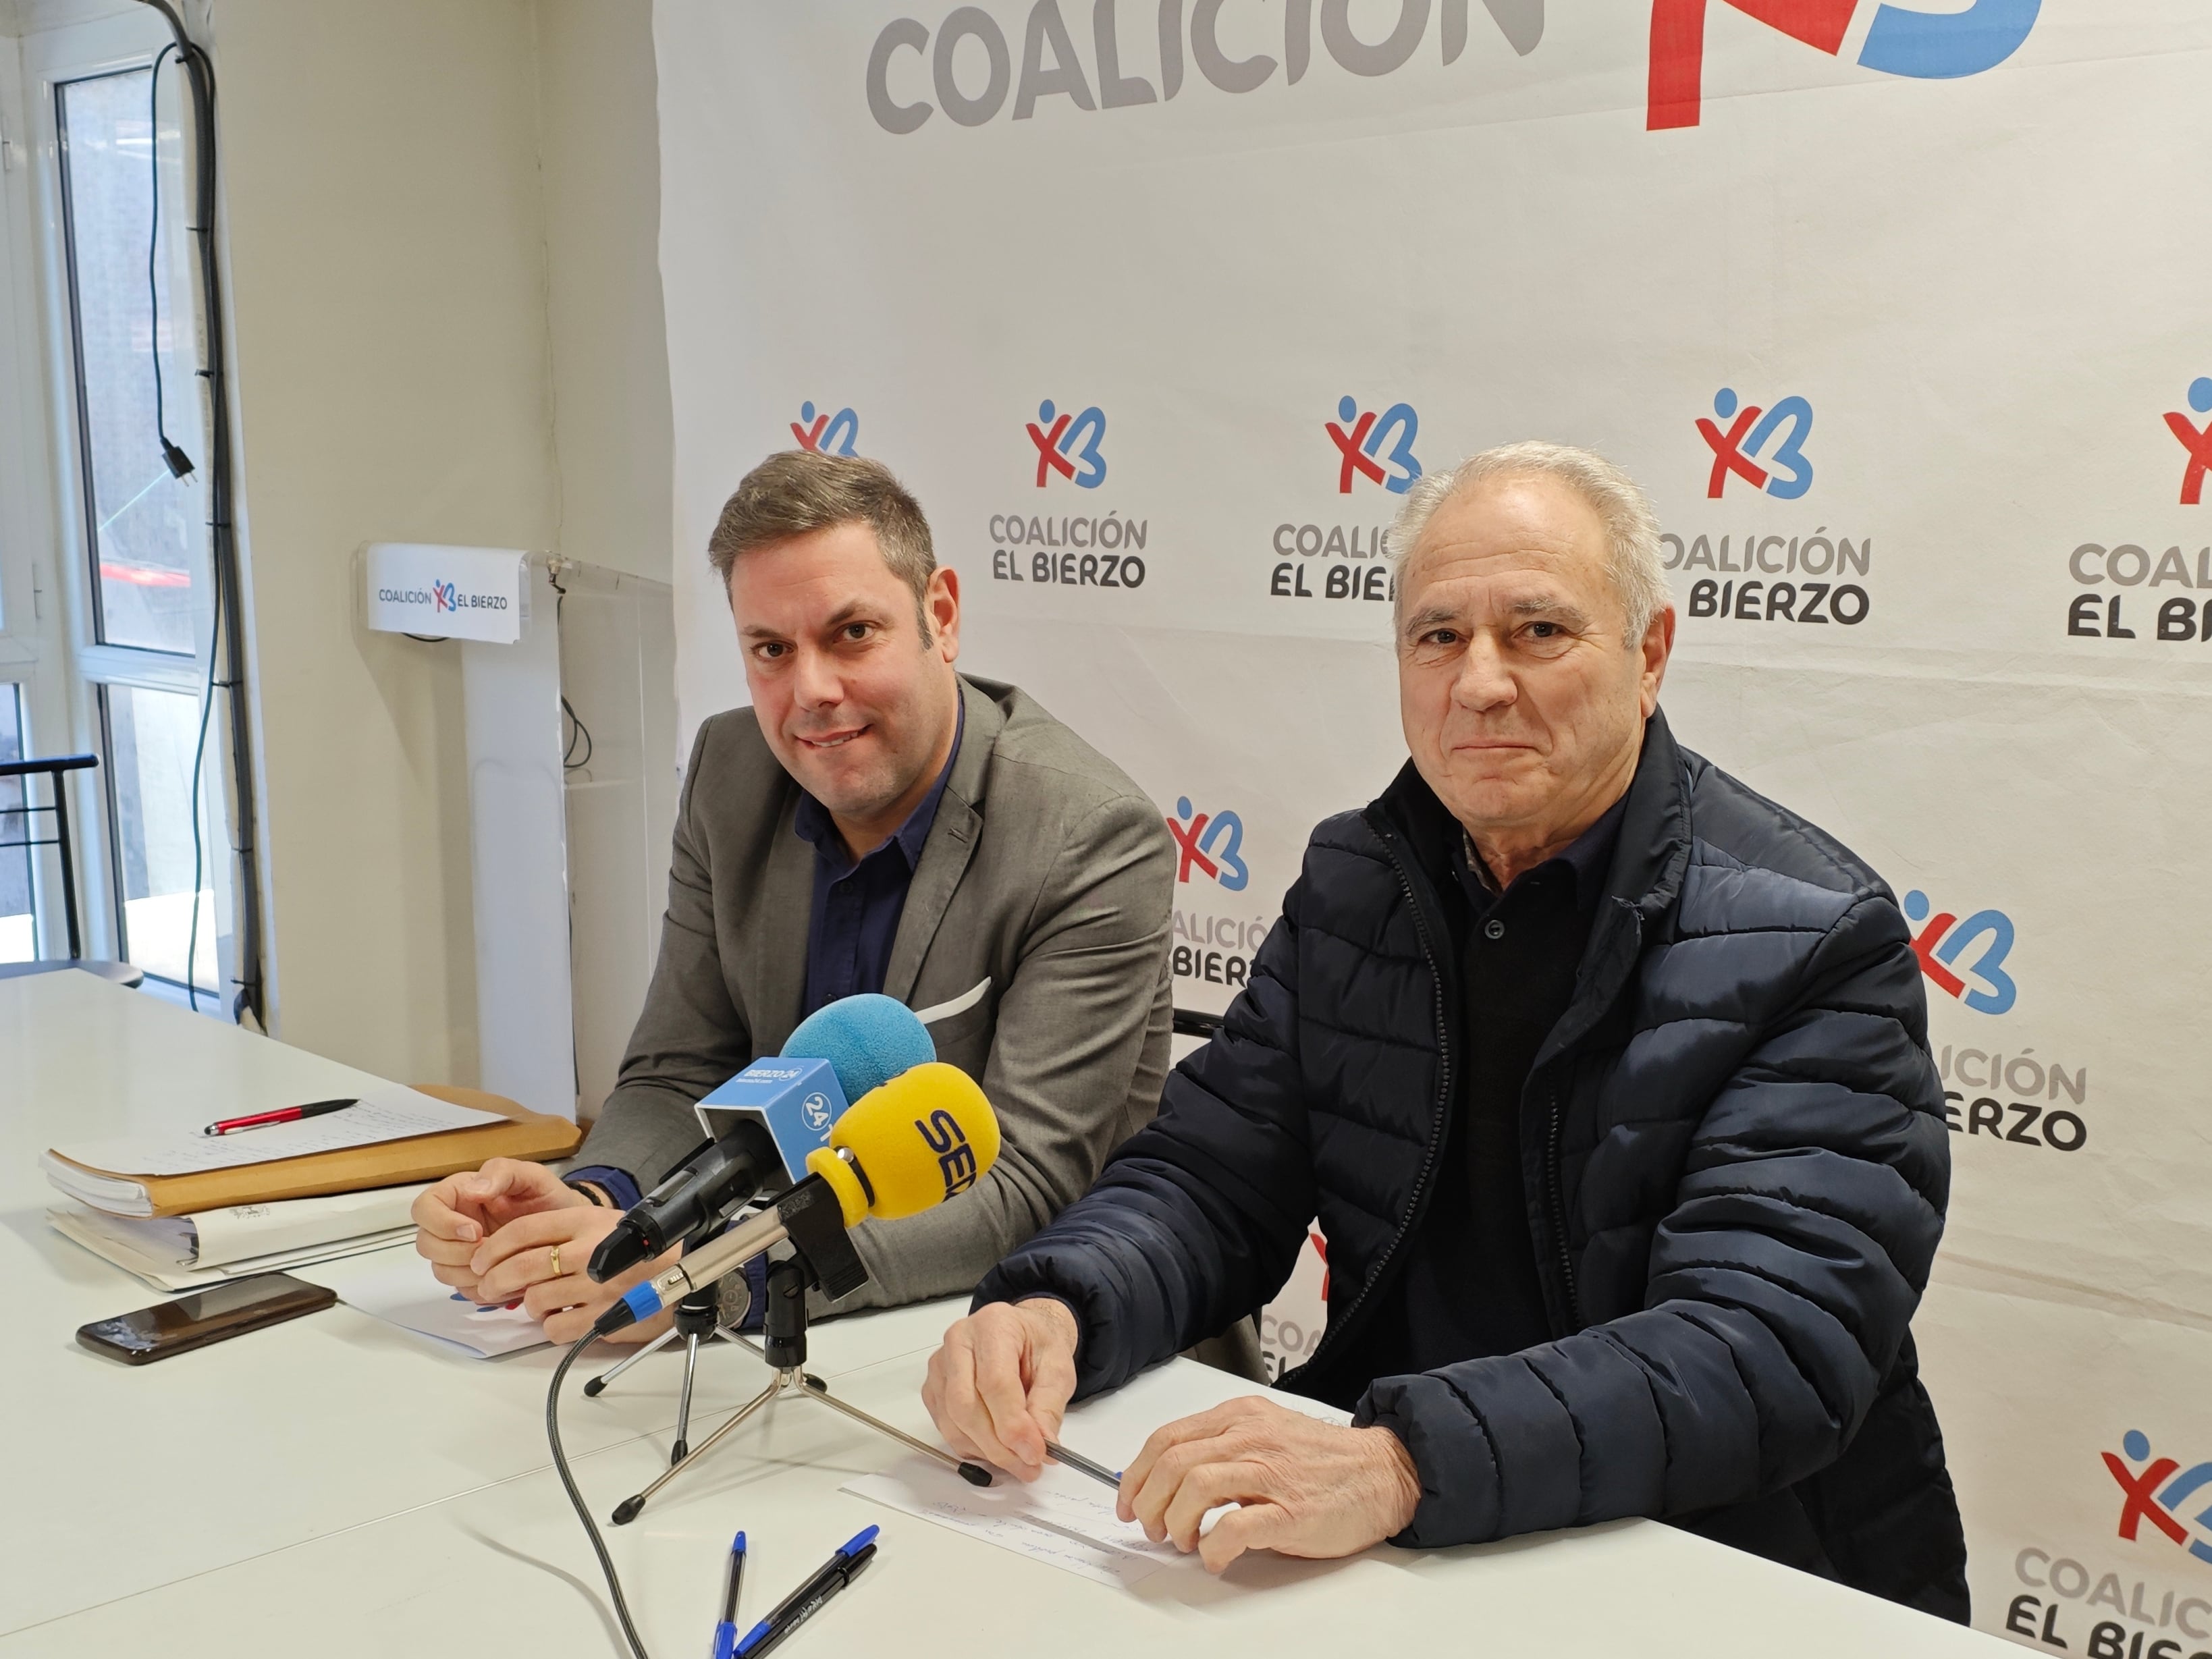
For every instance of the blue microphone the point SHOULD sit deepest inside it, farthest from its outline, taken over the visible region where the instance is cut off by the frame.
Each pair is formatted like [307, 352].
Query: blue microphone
[869, 1039]
[838, 1054]
[765, 1121]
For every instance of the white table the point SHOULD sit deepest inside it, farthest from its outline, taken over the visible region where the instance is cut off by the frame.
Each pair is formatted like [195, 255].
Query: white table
[336, 1482]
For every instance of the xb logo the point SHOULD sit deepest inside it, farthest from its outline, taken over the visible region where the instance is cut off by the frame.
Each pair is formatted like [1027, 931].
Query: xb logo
[1925, 46]
[444, 596]
[815, 1109]
[1946, 939]
[825, 434]
[2198, 444]
[1213, 842]
[2156, 1492]
[1360, 439]
[1057, 437]
[1787, 473]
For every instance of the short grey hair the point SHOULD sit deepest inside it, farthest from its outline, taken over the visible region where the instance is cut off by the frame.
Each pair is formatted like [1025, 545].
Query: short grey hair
[1631, 532]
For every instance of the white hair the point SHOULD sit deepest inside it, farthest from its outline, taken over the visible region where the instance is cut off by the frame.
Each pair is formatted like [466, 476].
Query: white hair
[1631, 532]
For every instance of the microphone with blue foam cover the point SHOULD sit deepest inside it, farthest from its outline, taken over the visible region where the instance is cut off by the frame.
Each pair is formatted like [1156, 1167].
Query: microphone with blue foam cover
[868, 1040]
[838, 1054]
[927, 1136]
[765, 1121]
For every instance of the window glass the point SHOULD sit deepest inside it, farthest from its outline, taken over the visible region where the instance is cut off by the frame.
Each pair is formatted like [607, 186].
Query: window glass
[150, 738]
[145, 529]
[17, 940]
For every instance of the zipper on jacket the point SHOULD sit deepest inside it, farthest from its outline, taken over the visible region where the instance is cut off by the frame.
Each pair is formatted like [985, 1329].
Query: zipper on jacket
[1338, 1327]
[1559, 1216]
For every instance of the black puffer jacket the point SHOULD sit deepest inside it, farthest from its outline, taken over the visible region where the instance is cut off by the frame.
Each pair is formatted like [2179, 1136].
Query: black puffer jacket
[1735, 1165]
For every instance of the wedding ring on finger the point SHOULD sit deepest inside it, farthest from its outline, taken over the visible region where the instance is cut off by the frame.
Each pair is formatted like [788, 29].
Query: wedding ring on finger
[556, 1262]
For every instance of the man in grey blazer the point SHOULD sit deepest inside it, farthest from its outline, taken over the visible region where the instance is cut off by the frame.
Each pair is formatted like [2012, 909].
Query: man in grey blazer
[874, 821]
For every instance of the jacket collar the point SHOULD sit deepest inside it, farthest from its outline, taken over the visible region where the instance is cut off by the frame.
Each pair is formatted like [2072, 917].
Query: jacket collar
[1649, 858]
[951, 842]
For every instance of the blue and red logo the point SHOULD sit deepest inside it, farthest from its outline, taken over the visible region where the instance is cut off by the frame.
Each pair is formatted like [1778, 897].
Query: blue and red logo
[825, 434]
[1925, 46]
[2198, 444]
[1980, 981]
[444, 596]
[1787, 474]
[1068, 445]
[1360, 436]
[1211, 843]
[2155, 1489]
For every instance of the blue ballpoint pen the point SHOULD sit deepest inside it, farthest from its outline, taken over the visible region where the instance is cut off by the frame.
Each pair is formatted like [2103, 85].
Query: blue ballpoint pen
[725, 1633]
[796, 1608]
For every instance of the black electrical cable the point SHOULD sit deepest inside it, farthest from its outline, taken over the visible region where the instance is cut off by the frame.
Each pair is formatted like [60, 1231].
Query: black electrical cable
[198, 70]
[193, 801]
[582, 733]
[178, 464]
[174, 459]
[569, 1485]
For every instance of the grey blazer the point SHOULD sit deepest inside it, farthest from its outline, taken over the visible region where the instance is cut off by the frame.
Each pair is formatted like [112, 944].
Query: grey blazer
[1046, 880]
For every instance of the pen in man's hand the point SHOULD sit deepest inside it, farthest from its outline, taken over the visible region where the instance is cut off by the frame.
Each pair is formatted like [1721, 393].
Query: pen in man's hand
[1083, 1465]
[282, 1114]
[725, 1633]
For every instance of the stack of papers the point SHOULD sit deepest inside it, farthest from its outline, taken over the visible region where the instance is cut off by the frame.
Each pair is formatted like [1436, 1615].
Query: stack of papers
[181, 1253]
[111, 1175]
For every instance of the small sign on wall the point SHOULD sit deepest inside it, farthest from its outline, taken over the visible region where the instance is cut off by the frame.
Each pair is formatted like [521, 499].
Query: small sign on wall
[445, 592]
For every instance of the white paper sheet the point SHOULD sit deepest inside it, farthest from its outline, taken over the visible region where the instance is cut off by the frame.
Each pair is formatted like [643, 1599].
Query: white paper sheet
[392, 1114]
[1063, 1518]
[403, 1293]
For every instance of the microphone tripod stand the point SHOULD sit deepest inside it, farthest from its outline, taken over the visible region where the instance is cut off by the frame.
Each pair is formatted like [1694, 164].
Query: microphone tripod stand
[698, 1321]
[783, 1331]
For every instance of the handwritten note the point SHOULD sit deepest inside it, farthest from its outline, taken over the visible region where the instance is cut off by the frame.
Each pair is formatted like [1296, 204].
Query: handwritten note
[1065, 1519]
[1055, 1520]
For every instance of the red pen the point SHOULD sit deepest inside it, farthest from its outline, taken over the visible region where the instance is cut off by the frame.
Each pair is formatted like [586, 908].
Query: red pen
[284, 1115]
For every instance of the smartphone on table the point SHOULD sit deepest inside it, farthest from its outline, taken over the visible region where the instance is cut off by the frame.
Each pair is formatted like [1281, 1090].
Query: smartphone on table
[203, 1316]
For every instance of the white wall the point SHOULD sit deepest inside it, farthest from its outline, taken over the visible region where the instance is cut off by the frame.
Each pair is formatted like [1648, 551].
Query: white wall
[601, 148]
[441, 231]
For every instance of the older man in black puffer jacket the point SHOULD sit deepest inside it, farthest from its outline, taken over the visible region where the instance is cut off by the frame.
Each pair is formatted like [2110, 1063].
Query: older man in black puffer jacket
[1608, 1082]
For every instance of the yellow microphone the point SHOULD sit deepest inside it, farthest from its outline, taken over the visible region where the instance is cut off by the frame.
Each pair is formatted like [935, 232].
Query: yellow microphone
[924, 1137]
[927, 1135]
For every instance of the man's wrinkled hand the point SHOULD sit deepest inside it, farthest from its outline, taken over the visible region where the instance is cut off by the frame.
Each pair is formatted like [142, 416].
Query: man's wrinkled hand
[1303, 1487]
[999, 1384]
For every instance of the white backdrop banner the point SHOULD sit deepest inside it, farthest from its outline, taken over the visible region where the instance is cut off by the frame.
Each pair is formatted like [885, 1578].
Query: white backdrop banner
[1159, 306]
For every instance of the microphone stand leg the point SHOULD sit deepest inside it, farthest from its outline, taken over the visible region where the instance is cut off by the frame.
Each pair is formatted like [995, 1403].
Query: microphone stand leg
[593, 1389]
[683, 1402]
[974, 1473]
[627, 1511]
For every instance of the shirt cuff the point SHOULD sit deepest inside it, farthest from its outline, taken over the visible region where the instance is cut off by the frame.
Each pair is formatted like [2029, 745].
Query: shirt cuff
[617, 1184]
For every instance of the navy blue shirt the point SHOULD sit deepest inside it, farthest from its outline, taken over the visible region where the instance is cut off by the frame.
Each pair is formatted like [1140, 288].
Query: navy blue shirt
[853, 920]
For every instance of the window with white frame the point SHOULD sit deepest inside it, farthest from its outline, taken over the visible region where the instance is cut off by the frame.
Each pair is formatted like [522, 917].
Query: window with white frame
[112, 546]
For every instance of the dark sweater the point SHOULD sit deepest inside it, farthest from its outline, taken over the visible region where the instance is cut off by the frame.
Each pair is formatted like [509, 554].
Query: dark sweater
[1469, 1288]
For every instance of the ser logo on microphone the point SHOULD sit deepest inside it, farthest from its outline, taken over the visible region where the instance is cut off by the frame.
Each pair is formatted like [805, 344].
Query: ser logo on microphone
[955, 1156]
